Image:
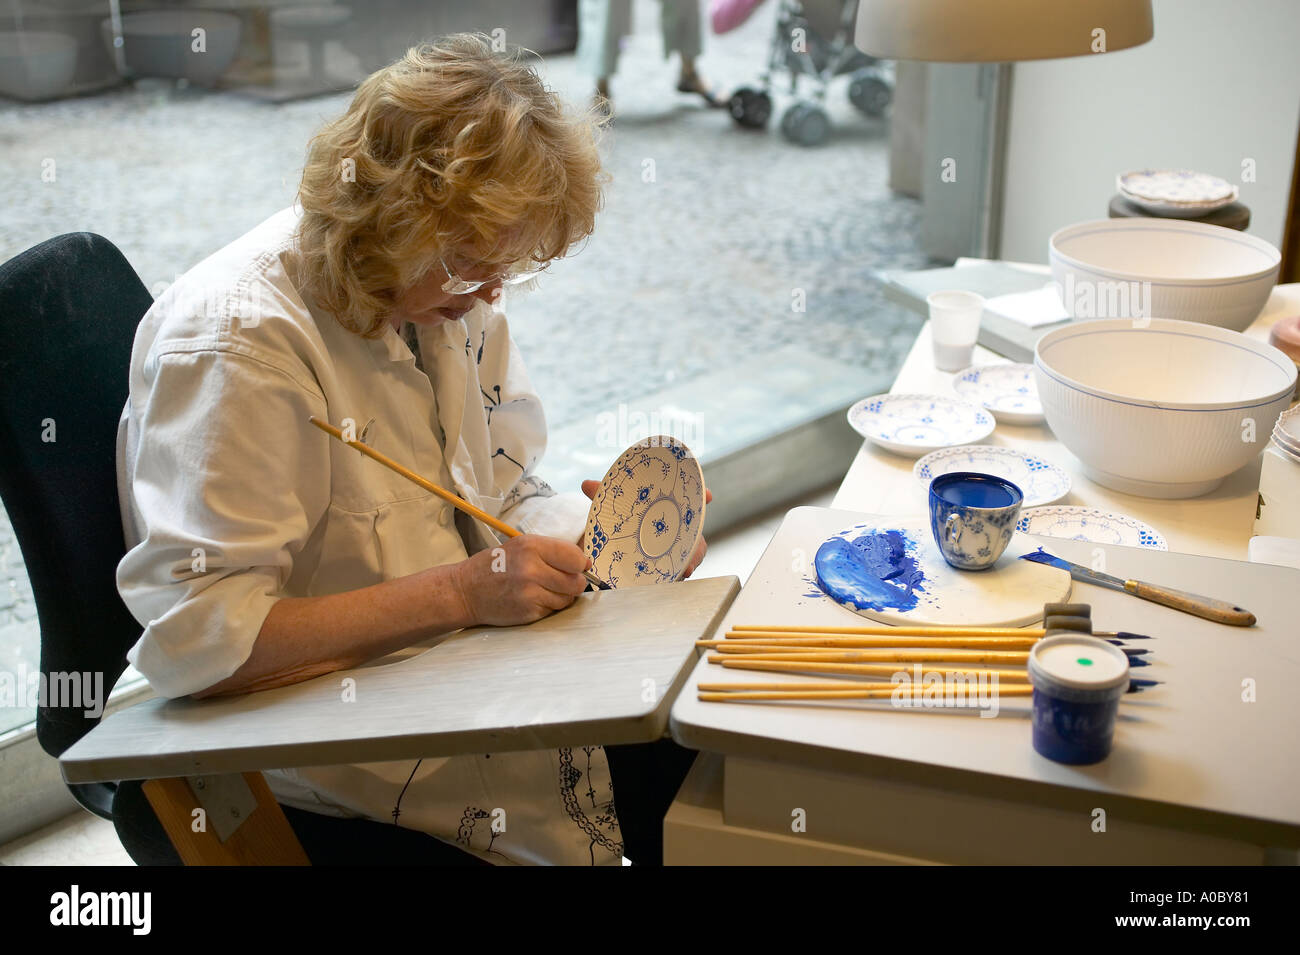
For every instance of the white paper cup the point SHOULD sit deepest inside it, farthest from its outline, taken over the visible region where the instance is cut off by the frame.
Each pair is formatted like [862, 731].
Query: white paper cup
[954, 327]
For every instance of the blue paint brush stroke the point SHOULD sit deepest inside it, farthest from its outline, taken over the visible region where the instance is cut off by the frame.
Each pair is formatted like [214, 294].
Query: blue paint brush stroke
[875, 571]
[1041, 556]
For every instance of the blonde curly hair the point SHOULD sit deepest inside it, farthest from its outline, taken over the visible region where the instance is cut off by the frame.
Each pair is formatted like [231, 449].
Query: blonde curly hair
[454, 149]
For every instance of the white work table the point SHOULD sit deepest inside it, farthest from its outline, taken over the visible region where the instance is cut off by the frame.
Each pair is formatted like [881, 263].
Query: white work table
[605, 669]
[1217, 524]
[1186, 782]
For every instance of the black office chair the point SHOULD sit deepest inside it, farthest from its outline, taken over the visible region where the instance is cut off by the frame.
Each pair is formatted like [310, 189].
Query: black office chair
[69, 308]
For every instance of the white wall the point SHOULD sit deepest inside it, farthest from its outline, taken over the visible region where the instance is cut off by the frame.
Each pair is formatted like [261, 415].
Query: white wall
[1219, 82]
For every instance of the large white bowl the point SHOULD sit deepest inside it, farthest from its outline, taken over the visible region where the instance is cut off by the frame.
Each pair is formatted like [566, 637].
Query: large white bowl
[1129, 268]
[36, 65]
[1165, 409]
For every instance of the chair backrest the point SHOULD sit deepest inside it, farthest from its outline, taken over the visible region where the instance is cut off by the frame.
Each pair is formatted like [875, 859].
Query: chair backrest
[69, 308]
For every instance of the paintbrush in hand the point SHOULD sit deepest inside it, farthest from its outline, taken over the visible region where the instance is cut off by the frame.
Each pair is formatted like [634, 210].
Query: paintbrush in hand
[458, 502]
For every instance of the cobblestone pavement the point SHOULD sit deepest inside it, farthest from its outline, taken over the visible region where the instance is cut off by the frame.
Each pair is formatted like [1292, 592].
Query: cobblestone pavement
[709, 235]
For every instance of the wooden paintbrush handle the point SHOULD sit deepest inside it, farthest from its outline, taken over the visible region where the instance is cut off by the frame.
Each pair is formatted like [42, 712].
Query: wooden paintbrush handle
[1220, 611]
[458, 502]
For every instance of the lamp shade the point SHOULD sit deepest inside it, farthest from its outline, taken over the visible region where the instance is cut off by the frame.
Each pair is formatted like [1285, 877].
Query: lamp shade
[972, 31]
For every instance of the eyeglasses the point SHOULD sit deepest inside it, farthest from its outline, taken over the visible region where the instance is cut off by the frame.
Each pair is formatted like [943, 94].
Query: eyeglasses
[458, 286]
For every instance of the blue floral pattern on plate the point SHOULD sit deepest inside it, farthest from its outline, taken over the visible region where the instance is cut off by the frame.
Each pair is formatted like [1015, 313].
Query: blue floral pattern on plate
[912, 425]
[652, 502]
[1090, 524]
[1008, 390]
[1041, 481]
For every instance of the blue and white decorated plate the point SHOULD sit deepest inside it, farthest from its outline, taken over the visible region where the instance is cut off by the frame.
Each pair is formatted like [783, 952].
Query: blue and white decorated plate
[913, 425]
[1177, 192]
[647, 516]
[1040, 481]
[1008, 390]
[1090, 524]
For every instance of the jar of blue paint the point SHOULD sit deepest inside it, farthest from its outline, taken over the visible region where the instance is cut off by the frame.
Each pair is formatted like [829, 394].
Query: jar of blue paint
[1078, 681]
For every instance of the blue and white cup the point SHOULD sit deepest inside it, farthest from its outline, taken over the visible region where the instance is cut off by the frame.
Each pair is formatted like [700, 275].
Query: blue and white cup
[973, 517]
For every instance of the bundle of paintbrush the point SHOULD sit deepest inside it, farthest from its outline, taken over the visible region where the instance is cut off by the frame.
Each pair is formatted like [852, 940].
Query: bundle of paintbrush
[867, 661]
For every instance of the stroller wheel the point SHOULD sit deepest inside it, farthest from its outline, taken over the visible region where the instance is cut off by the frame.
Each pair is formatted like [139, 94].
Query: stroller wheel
[806, 124]
[869, 93]
[750, 107]
[788, 119]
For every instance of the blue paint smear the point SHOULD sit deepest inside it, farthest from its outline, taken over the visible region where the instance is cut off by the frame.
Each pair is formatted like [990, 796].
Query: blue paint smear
[875, 571]
[1041, 556]
[813, 592]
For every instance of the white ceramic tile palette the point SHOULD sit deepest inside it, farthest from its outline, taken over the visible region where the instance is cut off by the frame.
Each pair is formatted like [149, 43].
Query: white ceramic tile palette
[1176, 191]
[647, 515]
[1040, 481]
[1008, 390]
[1090, 524]
[913, 425]
[894, 573]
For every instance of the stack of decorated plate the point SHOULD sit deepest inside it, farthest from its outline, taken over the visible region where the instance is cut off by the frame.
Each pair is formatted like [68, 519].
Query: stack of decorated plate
[1286, 433]
[1180, 193]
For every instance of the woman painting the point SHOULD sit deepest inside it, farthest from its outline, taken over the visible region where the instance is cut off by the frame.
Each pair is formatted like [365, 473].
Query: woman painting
[262, 553]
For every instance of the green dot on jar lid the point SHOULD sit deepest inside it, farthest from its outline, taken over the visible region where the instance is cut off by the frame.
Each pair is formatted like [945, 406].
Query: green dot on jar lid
[1084, 661]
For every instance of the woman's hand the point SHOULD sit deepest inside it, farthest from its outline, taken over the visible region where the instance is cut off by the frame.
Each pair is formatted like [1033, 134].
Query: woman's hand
[522, 580]
[590, 488]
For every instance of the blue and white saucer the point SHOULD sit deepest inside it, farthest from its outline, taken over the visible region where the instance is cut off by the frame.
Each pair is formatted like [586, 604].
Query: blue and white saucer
[1040, 481]
[1090, 524]
[647, 516]
[913, 425]
[1008, 390]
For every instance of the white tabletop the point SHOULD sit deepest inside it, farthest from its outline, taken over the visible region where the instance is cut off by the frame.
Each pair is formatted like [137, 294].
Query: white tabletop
[604, 669]
[1217, 524]
[1192, 742]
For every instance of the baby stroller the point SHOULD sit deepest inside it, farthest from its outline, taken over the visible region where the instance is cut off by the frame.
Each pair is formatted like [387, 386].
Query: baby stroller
[814, 39]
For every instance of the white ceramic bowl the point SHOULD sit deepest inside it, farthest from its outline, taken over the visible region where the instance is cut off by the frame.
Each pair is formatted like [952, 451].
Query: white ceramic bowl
[1165, 268]
[1162, 410]
[35, 65]
[160, 43]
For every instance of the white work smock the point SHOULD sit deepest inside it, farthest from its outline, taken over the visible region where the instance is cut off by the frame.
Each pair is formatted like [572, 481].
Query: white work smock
[232, 499]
